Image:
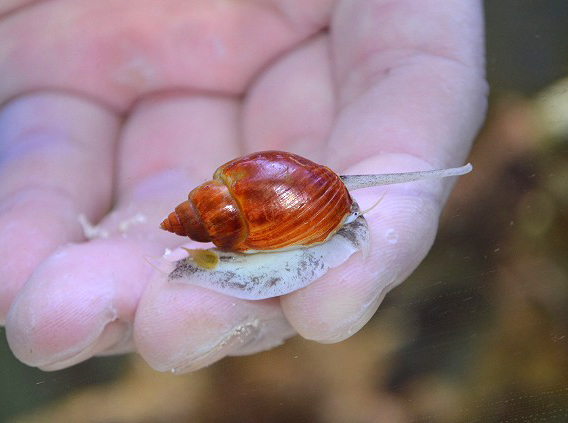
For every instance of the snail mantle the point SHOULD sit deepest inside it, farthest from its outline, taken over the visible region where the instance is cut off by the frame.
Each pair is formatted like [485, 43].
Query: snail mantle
[278, 221]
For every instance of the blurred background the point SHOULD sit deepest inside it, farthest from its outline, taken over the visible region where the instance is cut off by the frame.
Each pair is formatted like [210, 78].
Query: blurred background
[477, 334]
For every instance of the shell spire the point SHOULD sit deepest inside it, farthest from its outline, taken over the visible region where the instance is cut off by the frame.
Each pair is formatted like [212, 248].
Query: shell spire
[172, 224]
[184, 222]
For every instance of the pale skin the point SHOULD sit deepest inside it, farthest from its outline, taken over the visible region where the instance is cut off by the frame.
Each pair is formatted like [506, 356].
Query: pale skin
[117, 108]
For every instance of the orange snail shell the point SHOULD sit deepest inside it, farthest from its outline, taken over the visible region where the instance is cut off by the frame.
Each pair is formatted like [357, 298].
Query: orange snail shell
[264, 201]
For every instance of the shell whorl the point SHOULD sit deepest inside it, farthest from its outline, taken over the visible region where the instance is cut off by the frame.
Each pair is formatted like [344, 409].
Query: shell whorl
[184, 221]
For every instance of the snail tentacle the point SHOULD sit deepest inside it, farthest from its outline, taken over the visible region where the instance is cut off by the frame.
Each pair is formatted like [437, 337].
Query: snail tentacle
[353, 182]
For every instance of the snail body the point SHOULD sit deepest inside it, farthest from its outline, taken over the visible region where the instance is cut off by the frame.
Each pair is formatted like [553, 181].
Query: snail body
[264, 201]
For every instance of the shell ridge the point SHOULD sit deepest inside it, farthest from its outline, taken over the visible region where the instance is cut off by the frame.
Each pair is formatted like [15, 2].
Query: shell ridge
[293, 231]
[196, 214]
[292, 236]
[325, 188]
[224, 180]
[267, 233]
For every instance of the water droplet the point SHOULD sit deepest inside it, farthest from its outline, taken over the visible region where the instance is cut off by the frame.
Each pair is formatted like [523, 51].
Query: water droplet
[391, 236]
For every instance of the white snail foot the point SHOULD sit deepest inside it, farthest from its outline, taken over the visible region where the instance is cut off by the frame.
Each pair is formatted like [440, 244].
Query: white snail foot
[270, 274]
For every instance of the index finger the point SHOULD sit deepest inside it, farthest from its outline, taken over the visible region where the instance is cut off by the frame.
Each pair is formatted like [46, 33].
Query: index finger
[411, 95]
[409, 78]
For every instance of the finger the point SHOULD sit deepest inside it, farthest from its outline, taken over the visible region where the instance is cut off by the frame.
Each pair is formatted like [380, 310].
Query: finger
[147, 47]
[409, 79]
[182, 328]
[291, 106]
[55, 163]
[78, 303]
[193, 134]
[408, 99]
[170, 145]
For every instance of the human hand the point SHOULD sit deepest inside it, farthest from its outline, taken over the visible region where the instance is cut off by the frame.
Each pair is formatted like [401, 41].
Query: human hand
[115, 109]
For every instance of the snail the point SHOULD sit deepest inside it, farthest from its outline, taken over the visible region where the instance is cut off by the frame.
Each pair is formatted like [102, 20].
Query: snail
[278, 221]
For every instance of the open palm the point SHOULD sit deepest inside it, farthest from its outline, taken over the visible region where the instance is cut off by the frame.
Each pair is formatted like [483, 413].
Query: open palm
[115, 109]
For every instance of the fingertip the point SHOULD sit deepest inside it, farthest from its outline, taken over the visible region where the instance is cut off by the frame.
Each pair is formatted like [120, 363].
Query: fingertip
[28, 237]
[336, 306]
[76, 304]
[53, 329]
[181, 328]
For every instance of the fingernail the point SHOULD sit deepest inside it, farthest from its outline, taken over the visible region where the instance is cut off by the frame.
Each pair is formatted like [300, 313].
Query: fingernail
[238, 337]
[114, 336]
